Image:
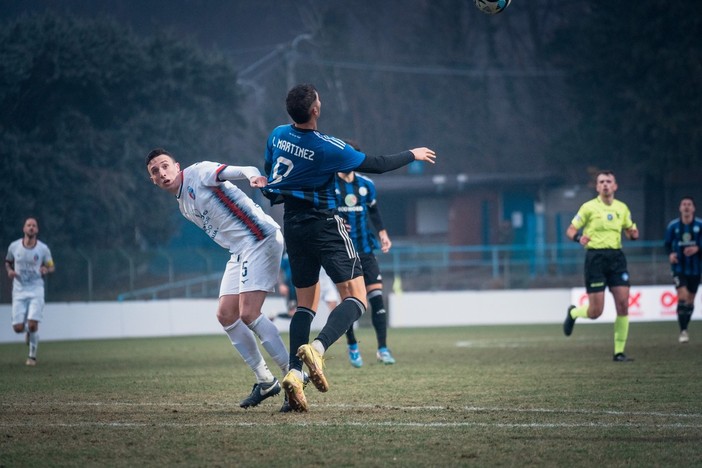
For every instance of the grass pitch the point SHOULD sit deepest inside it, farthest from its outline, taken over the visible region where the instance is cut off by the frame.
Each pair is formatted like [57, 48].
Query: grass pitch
[464, 396]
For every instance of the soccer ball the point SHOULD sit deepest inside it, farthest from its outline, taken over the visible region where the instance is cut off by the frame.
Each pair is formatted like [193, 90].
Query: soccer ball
[492, 7]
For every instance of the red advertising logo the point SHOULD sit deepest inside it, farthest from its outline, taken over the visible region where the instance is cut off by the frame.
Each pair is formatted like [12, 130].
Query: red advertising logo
[669, 301]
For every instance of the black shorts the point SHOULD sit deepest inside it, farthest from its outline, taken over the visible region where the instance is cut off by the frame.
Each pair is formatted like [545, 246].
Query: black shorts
[691, 282]
[605, 267]
[317, 238]
[371, 270]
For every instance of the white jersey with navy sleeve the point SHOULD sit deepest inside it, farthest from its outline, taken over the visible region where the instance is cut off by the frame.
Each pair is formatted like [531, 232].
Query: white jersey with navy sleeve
[303, 165]
[226, 214]
[27, 262]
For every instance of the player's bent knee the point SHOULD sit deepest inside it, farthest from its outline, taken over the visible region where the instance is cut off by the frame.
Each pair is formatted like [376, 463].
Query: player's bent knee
[594, 314]
[249, 317]
[225, 319]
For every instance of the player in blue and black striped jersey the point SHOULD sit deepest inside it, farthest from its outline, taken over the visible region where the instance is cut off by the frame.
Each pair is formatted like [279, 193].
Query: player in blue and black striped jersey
[301, 163]
[358, 206]
[683, 240]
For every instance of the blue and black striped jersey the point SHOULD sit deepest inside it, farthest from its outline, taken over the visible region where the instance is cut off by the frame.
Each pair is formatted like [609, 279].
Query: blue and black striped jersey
[355, 200]
[679, 235]
[303, 165]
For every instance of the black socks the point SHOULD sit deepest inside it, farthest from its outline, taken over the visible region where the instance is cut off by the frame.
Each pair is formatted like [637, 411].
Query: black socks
[340, 320]
[379, 316]
[299, 334]
[684, 314]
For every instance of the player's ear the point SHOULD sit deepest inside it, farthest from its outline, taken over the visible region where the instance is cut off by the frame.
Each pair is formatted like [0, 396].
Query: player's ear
[315, 111]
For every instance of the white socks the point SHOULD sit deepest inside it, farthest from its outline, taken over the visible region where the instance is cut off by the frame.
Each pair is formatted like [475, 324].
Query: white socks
[33, 344]
[316, 344]
[264, 329]
[244, 341]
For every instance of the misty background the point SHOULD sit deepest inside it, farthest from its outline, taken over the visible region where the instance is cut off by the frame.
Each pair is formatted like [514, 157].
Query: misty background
[547, 87]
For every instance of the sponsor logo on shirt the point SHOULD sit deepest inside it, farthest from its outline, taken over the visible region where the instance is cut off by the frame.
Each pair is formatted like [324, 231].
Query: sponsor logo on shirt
[350, 200]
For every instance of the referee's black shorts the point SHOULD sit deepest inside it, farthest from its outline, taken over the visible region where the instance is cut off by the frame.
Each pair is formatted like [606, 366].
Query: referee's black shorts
[603, 268]
[315, 238]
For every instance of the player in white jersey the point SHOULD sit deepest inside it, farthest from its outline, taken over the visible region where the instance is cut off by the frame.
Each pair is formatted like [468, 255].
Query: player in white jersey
[28, 260]
[229, 217]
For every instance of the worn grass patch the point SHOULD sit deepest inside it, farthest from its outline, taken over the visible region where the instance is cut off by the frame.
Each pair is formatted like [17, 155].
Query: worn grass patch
[498, 395]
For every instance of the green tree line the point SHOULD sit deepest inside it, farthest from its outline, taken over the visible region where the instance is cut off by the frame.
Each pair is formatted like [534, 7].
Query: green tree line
[81, 103]
[634, 75]
[544, 86]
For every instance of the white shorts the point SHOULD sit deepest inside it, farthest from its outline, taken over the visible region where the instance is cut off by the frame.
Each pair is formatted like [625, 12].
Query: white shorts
[327, 288]
[254, 270]
[27, 308]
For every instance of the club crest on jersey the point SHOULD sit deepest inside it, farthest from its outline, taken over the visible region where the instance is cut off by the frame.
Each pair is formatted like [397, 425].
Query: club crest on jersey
[350, 200]
[191, 192]
[363, 191]
[610, 217]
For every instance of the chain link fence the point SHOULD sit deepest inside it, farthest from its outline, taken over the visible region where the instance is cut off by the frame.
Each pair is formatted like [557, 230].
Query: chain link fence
[119, 274]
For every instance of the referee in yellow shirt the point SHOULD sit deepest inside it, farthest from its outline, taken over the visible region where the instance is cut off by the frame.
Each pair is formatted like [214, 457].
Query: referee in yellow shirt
[598, 227]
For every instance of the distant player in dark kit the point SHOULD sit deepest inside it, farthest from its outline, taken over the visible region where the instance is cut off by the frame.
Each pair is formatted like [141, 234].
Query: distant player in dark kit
[301, 163]
[358, 206]
[683, 242]
[602, 221]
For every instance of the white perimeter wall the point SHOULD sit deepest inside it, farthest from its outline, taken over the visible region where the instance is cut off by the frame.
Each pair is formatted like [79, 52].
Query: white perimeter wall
[179, 317]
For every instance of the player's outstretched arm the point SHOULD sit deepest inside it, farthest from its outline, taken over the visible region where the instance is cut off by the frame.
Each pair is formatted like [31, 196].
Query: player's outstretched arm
[381, 164]
[424, 154]
[238, 172]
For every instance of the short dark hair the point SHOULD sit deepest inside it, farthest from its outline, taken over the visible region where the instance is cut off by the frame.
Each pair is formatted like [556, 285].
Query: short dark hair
[299, 102]
[605, 172]
[688, 197]
[156, 152]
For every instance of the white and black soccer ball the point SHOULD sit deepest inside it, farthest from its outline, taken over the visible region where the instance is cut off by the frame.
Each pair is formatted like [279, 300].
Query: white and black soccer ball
[492, 7]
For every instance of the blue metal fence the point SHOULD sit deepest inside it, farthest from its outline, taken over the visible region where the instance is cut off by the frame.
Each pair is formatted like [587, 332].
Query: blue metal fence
[441, 267]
